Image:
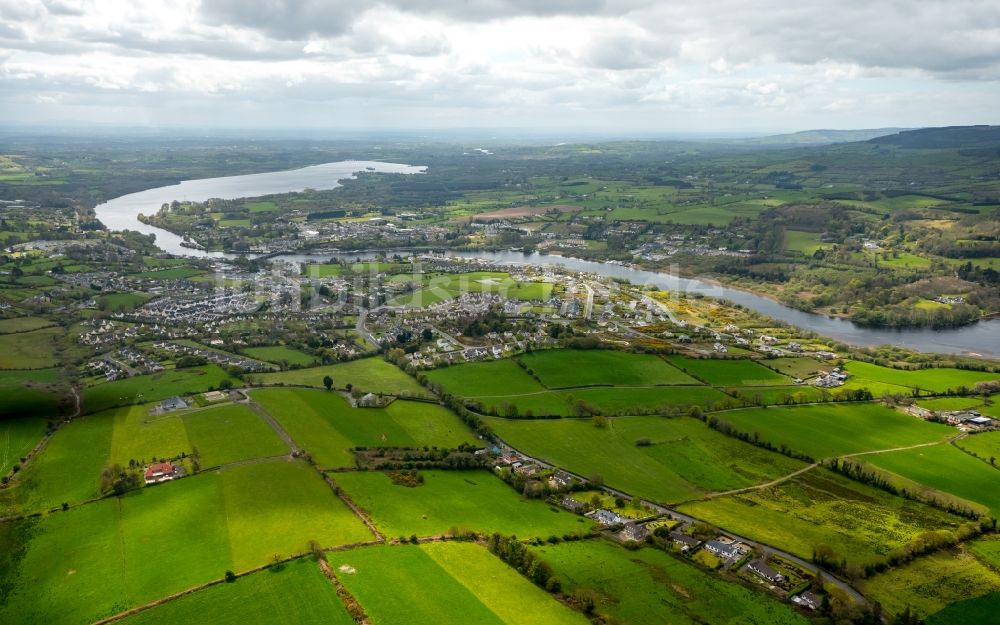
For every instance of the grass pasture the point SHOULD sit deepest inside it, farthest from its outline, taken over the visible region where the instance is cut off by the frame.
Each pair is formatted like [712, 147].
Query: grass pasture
[280, 354]
[153, 387]
[729, 372]
[846, 428]
[984, 445]
[569, 368]
[102, 558]
[476, 500]
[436, 288]
[444, 584]
[684, 460]
[861, 524]
[373, 375]
[805, 242]
[291, 594]
[936, 380]
[34, 393]
[649, 587]
[231, 433]
[23, 324]
[29, 350]
[978, 610]
[18, 436]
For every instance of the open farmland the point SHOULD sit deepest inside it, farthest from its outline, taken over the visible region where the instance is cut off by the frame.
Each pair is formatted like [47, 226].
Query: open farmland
[29, 350]
[235, 520]
[859, 523]
[280, 354]
[289, 594]
[231, 433]
[474, 500]
[984, 445]
[684, 459]
[153, 387]
[735, 372]
[928, 584]
[947, 469]
[937, 380]
[569, 368]
[31, 393]
[435, 288]
[444, 584]
[328, 427]
[18, 436]
[978, 610]
[846, 428]
[650, 587]
[372, 375]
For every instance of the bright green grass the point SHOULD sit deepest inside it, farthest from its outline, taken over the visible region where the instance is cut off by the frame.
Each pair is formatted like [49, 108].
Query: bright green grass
[649, 587]
[444, 584]
[984, 445]
[281, 354]
[945, 404]
[231, 433]
[140, 436]
[154, 387]
[322, 270]
[686, 458]
[102, 558]
[978, 610]
[278, 508]
[475, 500]
[903, 260]
[794, 366]
[720, 372]
[23, 324]
[643, 400]
[945, 468]
[373, 375]
[860, 523]
[804, 242]
[937, 380]
[67, 470]
[326, 425]
[827, 430]
[30, 393]
[566, 368]
[29, 350]
[986, 550]
[18, 436]
[290, 594]
[777, 395]
[441, 287]
[482, 379]
[928, 584]
[119, 302]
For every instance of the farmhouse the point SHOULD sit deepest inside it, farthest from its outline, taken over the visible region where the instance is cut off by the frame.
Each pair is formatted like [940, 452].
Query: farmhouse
[573, 505]
[560, 480]
[160, 472]
[174, 403]
[606, 518]
[634, 531]
[764, 570]
[808, 599]
[684, 541]
[724, 551]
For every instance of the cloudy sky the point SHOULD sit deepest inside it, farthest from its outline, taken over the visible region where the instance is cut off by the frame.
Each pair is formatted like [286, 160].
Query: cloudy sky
[630, 65]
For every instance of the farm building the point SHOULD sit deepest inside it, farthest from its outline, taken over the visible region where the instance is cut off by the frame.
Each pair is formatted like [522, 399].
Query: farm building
[607, 518]
[764, 570]
[727, 552]
[684, 541]
[634, 531]
[160, 472]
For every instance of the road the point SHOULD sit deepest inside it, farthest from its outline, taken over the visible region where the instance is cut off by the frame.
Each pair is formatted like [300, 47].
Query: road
[589, 306]
[359, 327]
[763, 547]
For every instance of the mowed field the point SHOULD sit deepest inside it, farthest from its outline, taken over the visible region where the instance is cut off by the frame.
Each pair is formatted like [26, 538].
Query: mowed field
[861, 524]
[735, 372]
[153, 387]
[563, 368]
[372, 375]
[29, 350]
[472, 500]
[938, 380]
[435, 288]
[289, 594]
[444, 584]
[684, 460]
[328, 427]
[650, 587]
[279, 354]
[18, 436]
[947, 469]
[31, 393]
[105, 557]
[827, 430]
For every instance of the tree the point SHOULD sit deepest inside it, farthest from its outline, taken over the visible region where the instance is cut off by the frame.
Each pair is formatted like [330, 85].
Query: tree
[328, 382]
[230, 576]
[349, 387]
[427, 334]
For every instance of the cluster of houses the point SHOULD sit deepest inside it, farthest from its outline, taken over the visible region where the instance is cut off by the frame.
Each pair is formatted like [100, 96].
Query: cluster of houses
[830, 379]
[213, 356]
[172, 309]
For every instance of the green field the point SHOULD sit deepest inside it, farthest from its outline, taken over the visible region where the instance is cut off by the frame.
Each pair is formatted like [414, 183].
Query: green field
[154, 387]
[805, 242]
[436, 288]
[685, 458]
[794, 366]
[776, 395]
[104, 557]
[230, 433]
[719, 372]
[373, 375]
[29, 350]
[946, 404]
[290, 594]
[473, 500]
[928, 584]
[120, 302]
[860, 523]
[23, 324]
[984, 445]
[978, 610]
[139, 436]
[490, 378]
[444, 584]
[947, 469]
[279, 354]
[822, 431]
[18, 436]
[937, 380]
[30, 393]
[650, 587]
[569, 368]
[322, 270]
[327, 427]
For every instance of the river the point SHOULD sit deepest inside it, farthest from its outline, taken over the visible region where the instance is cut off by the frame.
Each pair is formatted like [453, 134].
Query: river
[982, 339]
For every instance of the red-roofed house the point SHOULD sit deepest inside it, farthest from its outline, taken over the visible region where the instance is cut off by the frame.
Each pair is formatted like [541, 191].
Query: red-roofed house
[160, 472]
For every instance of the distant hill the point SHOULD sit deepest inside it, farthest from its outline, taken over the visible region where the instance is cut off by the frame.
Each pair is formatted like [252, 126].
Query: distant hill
[817, 137]
[942, 138]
